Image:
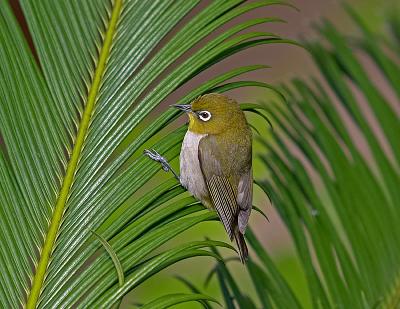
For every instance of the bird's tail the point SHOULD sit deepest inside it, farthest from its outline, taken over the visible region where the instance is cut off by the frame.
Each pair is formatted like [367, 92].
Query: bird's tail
[241, 244]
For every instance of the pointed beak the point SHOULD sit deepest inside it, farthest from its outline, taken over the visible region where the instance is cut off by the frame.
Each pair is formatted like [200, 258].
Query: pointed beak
[183, 107]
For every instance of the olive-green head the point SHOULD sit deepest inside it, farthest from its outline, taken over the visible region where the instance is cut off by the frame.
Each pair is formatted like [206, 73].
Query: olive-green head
[214, 113]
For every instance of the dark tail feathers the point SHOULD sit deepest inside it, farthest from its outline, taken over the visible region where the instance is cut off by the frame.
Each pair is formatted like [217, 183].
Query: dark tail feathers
[241, 244]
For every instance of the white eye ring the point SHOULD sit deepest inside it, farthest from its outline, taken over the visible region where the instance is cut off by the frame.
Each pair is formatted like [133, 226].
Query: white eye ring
[204, 115]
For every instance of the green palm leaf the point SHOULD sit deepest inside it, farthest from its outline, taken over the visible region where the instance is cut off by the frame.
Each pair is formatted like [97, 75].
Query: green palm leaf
[170, 300]
[103, 67]
[353, 228]
[339, 201]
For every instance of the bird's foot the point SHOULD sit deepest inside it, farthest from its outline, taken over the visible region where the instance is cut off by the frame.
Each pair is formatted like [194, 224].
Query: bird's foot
[154, 155]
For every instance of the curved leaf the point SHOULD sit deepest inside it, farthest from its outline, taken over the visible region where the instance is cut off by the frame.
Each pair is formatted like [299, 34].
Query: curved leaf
[175, 299]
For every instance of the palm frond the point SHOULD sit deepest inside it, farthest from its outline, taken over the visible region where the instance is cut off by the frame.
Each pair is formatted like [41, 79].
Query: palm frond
[352, 230]
[103, 67]
[174, 299]
[206, 304]
[338, 200]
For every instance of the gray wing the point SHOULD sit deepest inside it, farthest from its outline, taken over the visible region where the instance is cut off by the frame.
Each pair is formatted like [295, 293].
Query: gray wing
[222, 193]
[224, 201]
[245, 199]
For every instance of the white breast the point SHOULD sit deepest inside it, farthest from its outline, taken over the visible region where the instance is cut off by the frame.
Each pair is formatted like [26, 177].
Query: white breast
[191, 176]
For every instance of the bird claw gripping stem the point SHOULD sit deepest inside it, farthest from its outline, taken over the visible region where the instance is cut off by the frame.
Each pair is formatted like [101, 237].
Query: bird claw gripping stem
[154, 155]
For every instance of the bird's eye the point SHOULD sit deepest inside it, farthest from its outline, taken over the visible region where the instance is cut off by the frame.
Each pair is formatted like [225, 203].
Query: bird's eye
[204, 115]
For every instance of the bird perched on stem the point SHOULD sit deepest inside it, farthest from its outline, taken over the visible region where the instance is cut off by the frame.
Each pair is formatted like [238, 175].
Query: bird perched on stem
[215, 162]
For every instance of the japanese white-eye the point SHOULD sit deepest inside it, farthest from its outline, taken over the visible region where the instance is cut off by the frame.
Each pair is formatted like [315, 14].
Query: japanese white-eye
[215, 161]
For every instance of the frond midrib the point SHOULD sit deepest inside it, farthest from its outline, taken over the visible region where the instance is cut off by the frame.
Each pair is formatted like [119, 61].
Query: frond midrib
[58, 212]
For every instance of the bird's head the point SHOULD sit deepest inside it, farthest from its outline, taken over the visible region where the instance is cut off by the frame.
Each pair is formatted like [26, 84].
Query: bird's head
[213, 114]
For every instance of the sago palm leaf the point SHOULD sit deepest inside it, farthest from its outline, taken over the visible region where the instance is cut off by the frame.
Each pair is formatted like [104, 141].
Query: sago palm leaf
[102, 68]
[338, 200]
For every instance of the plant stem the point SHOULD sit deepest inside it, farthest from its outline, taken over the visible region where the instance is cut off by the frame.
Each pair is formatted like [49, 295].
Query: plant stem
[72, 164]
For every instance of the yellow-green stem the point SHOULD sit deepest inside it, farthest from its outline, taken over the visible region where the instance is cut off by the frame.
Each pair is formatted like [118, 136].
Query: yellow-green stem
[51, 236]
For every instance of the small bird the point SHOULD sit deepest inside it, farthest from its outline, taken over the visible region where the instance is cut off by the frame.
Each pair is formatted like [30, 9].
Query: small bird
[215, 161]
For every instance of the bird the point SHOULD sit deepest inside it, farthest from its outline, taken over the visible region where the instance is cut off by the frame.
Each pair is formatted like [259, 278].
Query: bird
[216, 162]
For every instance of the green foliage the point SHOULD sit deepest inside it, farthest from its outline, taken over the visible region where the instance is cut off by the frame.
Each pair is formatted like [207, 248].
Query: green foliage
[339, 199]
[102, 67]
[173, 299]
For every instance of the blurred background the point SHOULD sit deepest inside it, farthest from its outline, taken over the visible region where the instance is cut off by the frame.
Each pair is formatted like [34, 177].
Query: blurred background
[286, 62]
